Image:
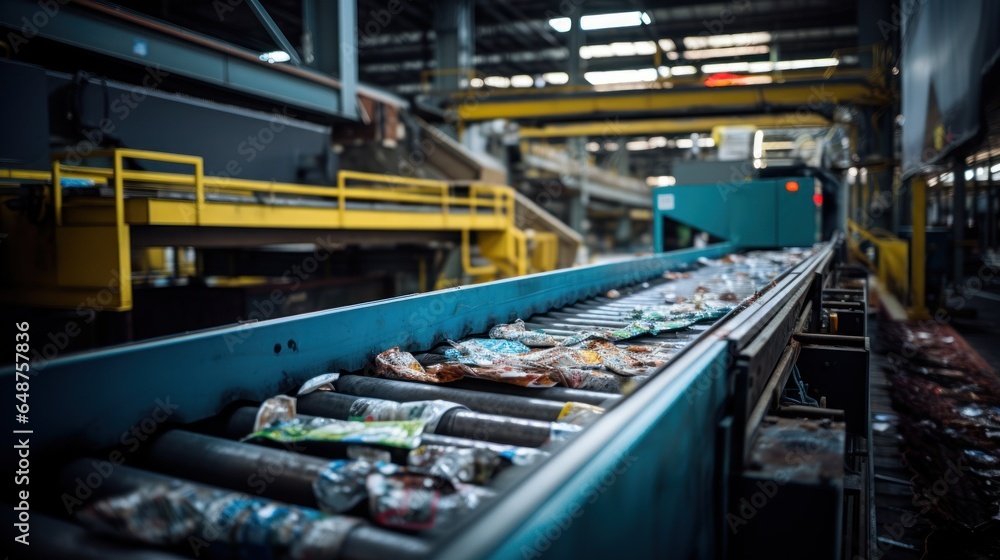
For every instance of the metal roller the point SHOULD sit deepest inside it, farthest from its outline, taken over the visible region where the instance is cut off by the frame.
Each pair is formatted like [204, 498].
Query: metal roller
[363, 542]
[240, 423]
[558, 394]
[254, 469]
[455, 422]
[479, 401]
[499, 429]
[60, 540]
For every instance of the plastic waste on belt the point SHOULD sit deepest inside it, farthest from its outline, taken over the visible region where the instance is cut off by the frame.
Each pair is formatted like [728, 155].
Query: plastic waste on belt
[380, 410]
[370, 421]
[517, 331]
[218, 520]
[396, 364]
[398, 497]
[404, 434]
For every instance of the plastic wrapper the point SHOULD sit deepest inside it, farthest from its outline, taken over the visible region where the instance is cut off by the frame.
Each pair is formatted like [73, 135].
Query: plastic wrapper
[638, 328]
[521, 375]
[448, 372]
[396, 364]
[413, 501]
[319, 383]
[511, 453]
[341, 485]
[162, 514]
[694, 312]
[404, 434]
[573, 377]
[517, 331]
[562, 357]
[562, 431]
[584, 336]
[322, 539]
[621, 361]
[523, 456]
[604, 382]
[579, 414]
[274, 410]
[370, 454]
[379, 410]
[467, 350]
[632, 330]
[467, 464]
[220, 520]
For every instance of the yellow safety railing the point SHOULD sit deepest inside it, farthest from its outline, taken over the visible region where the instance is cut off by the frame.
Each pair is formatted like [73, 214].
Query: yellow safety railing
[883, 253]
[351, 186]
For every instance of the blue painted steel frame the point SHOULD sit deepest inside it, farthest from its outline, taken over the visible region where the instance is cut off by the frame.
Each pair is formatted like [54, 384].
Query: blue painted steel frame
[88, 400]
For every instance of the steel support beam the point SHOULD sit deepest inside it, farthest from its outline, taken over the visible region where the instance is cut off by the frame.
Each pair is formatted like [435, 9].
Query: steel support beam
[273, 30]
[454, 43]
[918, 248]
[812, 95]
[671, 126]
[174, 51]
[576, 64]
[959, 219]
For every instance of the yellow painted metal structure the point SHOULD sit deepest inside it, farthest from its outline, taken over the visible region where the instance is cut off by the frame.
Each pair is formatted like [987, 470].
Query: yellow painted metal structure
[888, 257]
[592, 104]
[92, 233]
[670, 126]
[918, 268]
[900, 266]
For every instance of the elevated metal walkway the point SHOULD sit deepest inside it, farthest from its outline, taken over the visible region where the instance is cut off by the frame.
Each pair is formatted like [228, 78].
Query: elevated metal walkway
[101, 214]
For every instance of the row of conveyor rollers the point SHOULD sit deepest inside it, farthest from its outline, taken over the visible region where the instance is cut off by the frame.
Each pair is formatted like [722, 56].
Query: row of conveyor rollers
[492, 412]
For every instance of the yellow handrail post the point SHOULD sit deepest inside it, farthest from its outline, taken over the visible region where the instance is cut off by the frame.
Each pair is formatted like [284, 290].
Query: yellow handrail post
[865, 222]
[199, 189]
[57, 190]
[511, 205]
[341, 196]
[918, 248]
[467, 258]
[522, 255]
[444, 203]
[119, 180]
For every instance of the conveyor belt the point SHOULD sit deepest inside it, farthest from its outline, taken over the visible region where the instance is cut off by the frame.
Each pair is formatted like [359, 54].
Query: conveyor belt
[492, 416]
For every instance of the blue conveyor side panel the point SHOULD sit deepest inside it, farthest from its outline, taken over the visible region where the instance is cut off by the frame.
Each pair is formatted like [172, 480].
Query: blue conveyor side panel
[90, 400]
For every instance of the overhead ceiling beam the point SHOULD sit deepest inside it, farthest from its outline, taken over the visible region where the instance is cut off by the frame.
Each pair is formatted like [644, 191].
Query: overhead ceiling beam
[671, 126]
[274, 31]
[809, 96]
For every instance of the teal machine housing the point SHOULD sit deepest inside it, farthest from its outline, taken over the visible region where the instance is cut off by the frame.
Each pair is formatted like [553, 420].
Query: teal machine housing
[780, 212]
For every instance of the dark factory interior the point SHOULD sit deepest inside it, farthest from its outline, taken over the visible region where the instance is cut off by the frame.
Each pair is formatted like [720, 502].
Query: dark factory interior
[479, 279]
